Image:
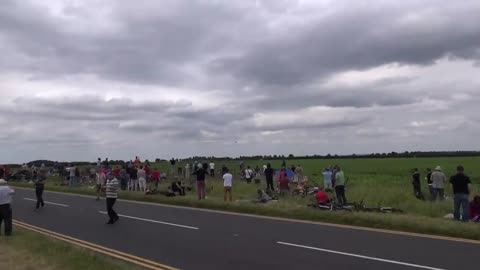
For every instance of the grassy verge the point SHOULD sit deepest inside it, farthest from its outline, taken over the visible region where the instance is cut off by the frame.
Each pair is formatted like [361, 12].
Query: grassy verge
[27, 250]
[295, 208]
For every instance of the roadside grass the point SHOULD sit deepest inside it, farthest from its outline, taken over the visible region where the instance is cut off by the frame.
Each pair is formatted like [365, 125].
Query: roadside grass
[421, 217]
[27, 250]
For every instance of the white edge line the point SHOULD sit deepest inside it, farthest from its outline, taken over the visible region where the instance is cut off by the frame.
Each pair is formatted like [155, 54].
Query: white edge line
[154, 221]
[58, 204]
[361, 256]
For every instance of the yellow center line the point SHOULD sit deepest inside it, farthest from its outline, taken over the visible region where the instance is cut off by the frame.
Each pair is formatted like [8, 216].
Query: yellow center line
[97, 248]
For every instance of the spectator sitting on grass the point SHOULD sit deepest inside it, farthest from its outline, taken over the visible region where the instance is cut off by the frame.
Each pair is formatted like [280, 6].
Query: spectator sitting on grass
[475, 209]
[263, 197]
[322, 197]
[178, 188]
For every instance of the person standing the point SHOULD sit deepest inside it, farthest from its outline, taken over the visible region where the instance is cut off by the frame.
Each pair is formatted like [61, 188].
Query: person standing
[417, 188]
[299, 173]
[248, 175]
[431, 190]
[188, 174]
[112, 195]
[461, 190]
[116, 172]
[201, 173]
[40, 186]
[71, 172]
[156, 177]
[334, 172]
[142, 179]
[212, 169]
[269, 177]
[133, 179]
[101, 180]
[227, 185]
[340, 186]
[5, 205]
[123, 178]
[438, 179]
[256, 173]
[327, 179]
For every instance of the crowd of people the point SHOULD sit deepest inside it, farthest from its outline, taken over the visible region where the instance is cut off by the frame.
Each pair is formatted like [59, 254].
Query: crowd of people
[140, 176]
[436, 180]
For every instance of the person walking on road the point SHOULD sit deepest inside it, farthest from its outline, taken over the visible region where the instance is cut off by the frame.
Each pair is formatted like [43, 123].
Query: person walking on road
[438, 179]
[269, 177]
[461, 190]
[40, 186]
[142, 179]
[340, 186]
[112, 195]
[5, 205]
[227, 185]
[201, 173]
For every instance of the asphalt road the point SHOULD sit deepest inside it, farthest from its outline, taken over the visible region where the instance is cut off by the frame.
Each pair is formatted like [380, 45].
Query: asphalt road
[193, 239]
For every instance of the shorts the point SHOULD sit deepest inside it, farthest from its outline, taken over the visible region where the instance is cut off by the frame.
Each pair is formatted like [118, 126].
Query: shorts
[99, 188]
[227, 188]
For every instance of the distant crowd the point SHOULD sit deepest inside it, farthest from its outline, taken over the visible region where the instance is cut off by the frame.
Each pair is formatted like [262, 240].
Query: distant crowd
[140, 176]
[436, 181]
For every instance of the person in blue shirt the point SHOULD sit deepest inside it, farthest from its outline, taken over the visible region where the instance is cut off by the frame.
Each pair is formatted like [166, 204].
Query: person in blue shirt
[327, 179]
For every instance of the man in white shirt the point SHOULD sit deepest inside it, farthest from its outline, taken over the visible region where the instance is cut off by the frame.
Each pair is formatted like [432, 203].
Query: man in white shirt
[212, 169]
[227, 185]
[248, 174]
[71, 171]
[5, 204]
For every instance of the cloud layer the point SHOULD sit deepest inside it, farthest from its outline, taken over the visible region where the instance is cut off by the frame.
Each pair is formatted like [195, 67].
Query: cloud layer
[181, 78]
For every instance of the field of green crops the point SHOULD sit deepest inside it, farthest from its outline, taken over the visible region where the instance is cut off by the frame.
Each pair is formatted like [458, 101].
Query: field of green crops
[376, 182]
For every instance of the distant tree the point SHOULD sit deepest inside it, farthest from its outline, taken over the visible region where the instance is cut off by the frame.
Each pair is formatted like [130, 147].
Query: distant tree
[291, 156]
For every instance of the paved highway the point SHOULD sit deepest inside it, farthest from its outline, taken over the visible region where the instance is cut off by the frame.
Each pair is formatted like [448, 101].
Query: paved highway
[193, 239]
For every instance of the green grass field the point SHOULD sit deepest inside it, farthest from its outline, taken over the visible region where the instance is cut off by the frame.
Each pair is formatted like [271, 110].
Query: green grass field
[27, 250]
[376, 182]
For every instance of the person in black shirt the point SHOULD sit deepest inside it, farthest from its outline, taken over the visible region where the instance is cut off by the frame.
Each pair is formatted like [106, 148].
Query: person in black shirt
[269, 177]
[417, 188]
[460, 183]
[200, 173]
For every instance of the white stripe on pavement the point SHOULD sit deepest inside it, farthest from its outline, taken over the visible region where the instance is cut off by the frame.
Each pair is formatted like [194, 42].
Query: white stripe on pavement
[57, 204]
[360, 256]
[154, 221]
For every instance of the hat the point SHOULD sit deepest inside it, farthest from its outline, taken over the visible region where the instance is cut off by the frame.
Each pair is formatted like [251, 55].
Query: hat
[438, 168]
[3, 182]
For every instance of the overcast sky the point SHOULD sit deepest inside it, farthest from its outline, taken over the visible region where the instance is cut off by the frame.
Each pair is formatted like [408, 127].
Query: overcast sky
[102, 78]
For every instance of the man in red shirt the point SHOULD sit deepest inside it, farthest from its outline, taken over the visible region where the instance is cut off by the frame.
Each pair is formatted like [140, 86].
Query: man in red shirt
[116, 172]
[156, 177]
[322, 197]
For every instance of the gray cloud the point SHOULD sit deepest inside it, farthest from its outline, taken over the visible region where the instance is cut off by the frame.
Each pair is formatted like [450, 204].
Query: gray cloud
[182, 78]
